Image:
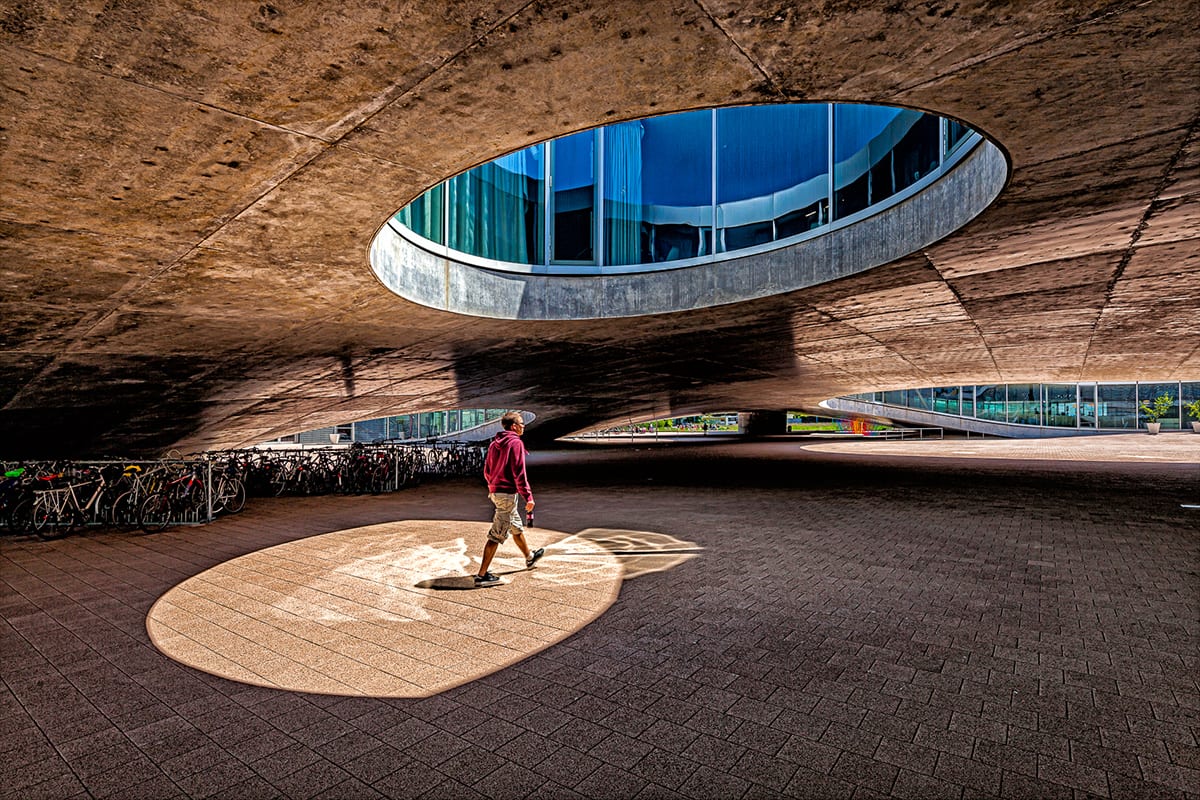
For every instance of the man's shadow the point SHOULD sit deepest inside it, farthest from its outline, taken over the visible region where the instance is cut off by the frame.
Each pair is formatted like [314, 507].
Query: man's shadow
[457, 582]
[638, 552]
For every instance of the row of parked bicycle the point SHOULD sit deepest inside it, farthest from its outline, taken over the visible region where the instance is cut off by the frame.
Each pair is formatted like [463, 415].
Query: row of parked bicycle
[51, 499]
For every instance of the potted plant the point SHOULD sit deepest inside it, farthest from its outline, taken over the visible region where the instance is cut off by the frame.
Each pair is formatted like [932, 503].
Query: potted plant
[1161, 406]
[1193, 411]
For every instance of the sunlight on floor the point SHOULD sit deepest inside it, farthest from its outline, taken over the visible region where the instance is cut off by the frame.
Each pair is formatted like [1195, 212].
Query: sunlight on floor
[377, 610]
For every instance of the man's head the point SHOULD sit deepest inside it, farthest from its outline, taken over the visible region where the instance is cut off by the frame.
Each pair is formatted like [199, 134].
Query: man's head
[513, 421]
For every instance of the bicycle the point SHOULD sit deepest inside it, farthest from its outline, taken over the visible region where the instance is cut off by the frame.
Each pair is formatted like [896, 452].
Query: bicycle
[229, 491]
[180, 496]
[16, 500]
[57, 507]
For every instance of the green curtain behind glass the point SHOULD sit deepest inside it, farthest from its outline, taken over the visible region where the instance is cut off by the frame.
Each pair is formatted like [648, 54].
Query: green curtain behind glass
[490, 208]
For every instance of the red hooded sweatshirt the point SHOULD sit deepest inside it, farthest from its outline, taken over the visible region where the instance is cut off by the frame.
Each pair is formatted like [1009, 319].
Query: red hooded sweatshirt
[504, 469]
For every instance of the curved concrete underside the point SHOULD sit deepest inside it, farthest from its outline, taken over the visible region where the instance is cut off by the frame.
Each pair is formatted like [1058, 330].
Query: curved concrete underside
[442, 282]
[190, 193]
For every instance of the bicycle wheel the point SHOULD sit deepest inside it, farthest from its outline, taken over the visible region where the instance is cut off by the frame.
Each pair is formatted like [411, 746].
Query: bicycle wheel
[124, 513]
[234, 495]
[190, 500]
[20, 516]
[155, 513]
[46, 522]
[379, 480]
[228, 496]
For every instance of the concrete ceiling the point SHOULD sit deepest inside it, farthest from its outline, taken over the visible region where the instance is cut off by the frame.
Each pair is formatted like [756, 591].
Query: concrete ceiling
[190, 190]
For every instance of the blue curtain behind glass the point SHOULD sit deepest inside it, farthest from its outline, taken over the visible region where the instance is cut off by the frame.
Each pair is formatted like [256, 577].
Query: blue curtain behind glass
[766, 149]
[623, 193]
[771, 172]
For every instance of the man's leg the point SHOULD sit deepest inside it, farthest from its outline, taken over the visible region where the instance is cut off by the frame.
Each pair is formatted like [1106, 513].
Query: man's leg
[501, 523]
[519, 538]
[516, 526]
[489, 551]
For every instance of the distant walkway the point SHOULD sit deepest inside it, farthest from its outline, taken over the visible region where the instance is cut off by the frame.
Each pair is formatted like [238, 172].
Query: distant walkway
[1180, 447]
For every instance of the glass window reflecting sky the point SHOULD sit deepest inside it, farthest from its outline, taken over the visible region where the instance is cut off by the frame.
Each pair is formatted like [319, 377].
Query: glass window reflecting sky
[1107, 406]
[684, 186]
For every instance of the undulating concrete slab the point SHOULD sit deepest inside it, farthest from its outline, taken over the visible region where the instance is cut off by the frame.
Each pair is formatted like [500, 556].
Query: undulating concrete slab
[190, 194]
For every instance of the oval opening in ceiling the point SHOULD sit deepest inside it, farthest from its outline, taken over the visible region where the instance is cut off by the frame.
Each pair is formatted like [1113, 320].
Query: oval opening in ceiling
[688, 210]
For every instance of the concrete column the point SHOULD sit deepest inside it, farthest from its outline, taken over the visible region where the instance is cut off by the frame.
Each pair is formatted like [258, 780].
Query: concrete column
[762, 423]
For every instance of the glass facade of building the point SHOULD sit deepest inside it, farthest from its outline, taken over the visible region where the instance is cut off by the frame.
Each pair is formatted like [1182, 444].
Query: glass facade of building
[680, 187]
[1095, 406]
[400, 427]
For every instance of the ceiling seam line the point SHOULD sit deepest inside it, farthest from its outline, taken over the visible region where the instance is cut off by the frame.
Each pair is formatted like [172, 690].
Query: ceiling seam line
[862, 332]
[1178, 370]
[83, 329]
[1102, 147]
[1020, 45]
[140, 283]
[962, 304]
[1143, 223]
[175, 95]
[755, 63]
[386, 101]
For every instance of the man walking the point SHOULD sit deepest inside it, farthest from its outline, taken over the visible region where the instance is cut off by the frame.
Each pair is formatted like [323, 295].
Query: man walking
[504, 471]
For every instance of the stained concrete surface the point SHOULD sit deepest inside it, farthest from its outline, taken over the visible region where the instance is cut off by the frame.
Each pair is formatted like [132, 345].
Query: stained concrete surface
[855, 626]
[189, 195]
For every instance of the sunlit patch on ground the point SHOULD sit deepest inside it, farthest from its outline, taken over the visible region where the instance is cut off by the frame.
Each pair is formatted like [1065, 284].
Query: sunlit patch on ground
[1180, 447]
[372, 611]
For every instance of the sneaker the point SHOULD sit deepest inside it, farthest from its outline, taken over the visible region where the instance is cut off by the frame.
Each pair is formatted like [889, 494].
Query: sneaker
[487, 579]
[534, 556]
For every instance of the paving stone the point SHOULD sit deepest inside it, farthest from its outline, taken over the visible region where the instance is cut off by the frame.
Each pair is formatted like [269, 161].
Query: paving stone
[664, 768]
[913, 757]
[802, 724]
[713, 752]
[509, 781]
[953, 683]
[655, 792]
[944, 741]
[354, 789]
[435, 749]
[1172, 775]
[707, 782]
[376, 763]
[565, 766]
[1077, 776]
[852, 740]
[217, 779]
[1006, 757]
[409, 781]
[757, 737]
[312, 780]
[1125, 787]
[764, 771]
[610, 781]
[968, 773]
[918, 786]
[580, 734]
[815, 786]
[469, 764]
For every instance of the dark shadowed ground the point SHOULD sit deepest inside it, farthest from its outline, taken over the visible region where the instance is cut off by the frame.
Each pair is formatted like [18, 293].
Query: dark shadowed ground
[853, 626]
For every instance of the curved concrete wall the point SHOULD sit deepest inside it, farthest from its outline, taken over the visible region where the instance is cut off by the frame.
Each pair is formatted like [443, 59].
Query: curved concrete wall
[916, 222]
[934, 419]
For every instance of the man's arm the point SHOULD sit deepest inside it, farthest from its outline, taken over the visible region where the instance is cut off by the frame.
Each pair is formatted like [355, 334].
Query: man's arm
[520, 478]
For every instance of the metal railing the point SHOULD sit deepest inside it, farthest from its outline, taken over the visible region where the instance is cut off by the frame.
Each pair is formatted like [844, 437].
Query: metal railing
[53, 498]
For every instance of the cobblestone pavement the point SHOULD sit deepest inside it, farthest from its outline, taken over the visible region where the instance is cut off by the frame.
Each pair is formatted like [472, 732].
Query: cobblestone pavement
[850, 626]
